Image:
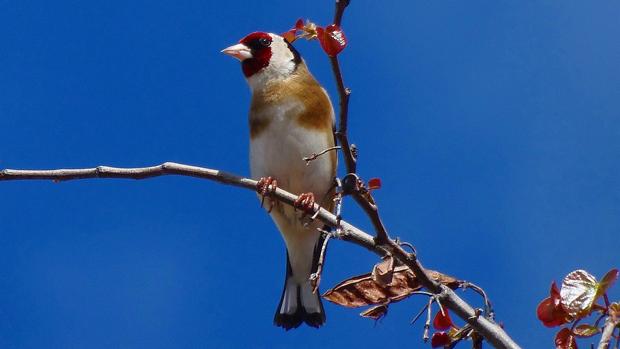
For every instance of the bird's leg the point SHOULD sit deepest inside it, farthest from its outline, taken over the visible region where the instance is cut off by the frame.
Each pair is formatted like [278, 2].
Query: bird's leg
[265, 187]
[305, 202]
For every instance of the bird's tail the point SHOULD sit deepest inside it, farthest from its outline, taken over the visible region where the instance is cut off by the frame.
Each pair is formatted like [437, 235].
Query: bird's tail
[298, 304]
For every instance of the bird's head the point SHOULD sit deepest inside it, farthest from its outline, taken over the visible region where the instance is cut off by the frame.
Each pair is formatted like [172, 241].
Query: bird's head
[264, 57]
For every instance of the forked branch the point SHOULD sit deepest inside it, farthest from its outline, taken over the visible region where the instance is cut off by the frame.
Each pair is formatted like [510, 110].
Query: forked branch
[490, 330]
[381, 244]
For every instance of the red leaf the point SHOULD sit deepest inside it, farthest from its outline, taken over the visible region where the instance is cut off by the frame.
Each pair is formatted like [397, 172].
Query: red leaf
[578, 293]
[551, 314]
[374, 183]
[440, 339]
[299, 25]
[606, 282]
[550, 310]
[585, 330]
[565, 340]
[442, 322]
[290, 35]
[555, 293]
[332, 39]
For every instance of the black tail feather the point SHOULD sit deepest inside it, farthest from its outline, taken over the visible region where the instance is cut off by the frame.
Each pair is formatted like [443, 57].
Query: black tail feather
[294, 320]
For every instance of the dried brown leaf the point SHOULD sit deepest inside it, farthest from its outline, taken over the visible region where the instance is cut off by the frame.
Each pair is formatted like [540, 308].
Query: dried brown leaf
[383, 271]
[376, 312]
[362, 290]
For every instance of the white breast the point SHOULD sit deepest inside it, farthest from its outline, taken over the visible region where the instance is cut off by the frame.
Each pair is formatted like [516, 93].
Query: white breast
[278, 151]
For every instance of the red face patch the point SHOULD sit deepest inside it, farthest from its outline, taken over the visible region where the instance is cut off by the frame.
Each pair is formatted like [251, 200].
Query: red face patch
[260, 46]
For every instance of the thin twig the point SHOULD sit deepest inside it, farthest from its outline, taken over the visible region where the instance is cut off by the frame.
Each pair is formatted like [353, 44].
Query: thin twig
[423, 308]
[476, 340]
[427, 324]
[314, 156]
[488, 309]
[344, 93]
[364, 199]
[598, 320]
[315, 278]
[381, 244]
[489, 329]
[338, 204]
[419, 314]
[608, 330]
[340, 6]
[353, 185]
[407, 244]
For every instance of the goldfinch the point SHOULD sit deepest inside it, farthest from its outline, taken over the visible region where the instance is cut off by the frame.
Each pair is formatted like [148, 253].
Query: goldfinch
[291, 117]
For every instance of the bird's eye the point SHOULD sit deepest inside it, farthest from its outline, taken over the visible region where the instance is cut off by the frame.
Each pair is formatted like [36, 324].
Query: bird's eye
[264, 41]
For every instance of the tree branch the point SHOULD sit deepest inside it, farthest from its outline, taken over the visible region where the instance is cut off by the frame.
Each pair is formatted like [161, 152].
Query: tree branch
[608, 330]
[353, 185]
[363, 198]
[490, 330]
[343, 93]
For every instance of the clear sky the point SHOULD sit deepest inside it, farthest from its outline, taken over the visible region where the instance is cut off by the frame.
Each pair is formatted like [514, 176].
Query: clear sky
[494, 125]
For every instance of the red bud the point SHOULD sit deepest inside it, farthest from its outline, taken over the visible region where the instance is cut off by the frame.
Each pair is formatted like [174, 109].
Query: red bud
[374, 183]
[332, 39]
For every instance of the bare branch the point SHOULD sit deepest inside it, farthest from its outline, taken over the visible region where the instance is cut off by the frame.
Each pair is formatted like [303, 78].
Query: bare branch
[364, 199]
[490, 330]
[344, 93]
[340, 6]
[381, 244]
[488, 309]
[427, 324]
[608, 330]
[315, 278]
[314, 156]
[354, 186]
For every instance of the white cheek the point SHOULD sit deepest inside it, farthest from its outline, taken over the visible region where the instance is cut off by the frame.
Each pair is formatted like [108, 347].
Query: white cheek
[281, 65]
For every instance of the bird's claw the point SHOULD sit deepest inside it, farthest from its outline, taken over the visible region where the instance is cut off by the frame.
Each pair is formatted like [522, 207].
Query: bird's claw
[305, 202]
[265, 187]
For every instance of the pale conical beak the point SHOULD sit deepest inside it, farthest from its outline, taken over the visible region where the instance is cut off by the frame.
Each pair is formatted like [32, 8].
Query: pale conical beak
[239, 51]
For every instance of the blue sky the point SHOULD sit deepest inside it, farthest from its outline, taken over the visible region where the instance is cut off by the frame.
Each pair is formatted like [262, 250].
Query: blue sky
[494, 125]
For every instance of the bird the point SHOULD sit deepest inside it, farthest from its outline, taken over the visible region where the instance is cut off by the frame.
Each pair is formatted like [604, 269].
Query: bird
[291, 117]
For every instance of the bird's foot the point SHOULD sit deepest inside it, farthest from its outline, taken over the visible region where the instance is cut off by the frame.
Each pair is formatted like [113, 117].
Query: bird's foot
[265, 187]
[305, 202]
